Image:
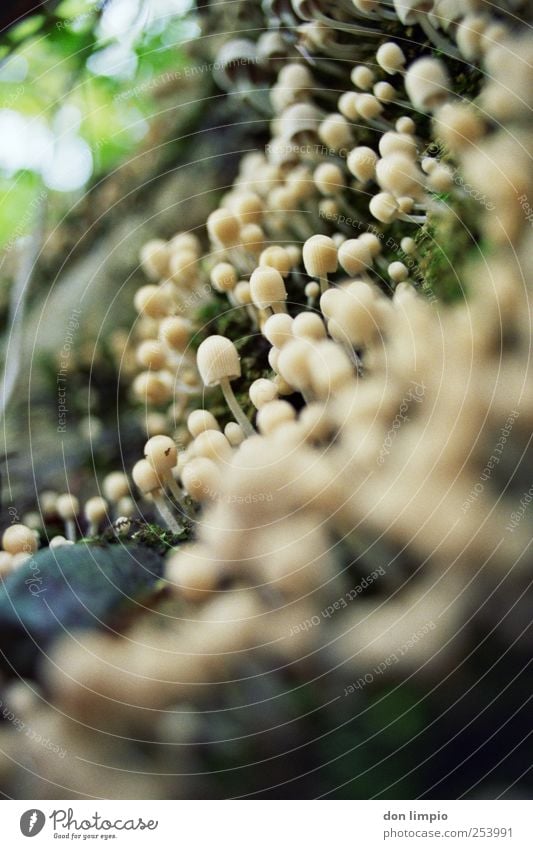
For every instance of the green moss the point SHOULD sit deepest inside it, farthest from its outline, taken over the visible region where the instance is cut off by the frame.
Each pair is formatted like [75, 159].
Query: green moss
[444, 244]
[149, 535]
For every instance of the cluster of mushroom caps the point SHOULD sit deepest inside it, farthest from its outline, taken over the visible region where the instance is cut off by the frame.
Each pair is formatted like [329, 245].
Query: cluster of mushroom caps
[114, 506]
[360, 333]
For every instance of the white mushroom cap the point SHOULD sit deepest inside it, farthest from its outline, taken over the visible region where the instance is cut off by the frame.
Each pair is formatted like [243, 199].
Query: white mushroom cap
[212, 444]
[48, 503]
[162, 453]
[267, 287]
[202, 479]
[175, 332]
[278, 329]
[185, 240]
[390, 57]
[223, 227]
[223, 277]
[68, 506]
[6, 564]
[405, 124]
[183, 267]
[362, 162]
[248, 207]
[320, 256]
[363, 77]
[335, 132]
[329, 178]
[441, 178]
[274, 414]
[385, 92]
[59, 541]
[348, 105]
[262, 391]
[397, 272]
[95, 510]
[399, 175]
[154, 258]
[372, 242]
[276, 257]
[355, 316]
[408, 10]
[200, 420]
[408, 245]
[126, 507]
[308, 325]
[252, 238]
[234, 434]
[368, 107]
[217, 359]
[151, 387]
[192, 572]
[355, 257]
[145, 477]
[330, 369]
[19, 538]
[295, 75]
[115, 486]
[152, 301]
[459, 125]
[294, 363]
[151, 354]
[427, 84]
[397, 143]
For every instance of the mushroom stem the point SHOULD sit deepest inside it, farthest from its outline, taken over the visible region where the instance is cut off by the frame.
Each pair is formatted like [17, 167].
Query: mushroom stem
[164, 512]
[438, 40]
[324, 283]
[176, 492]
[233, 404]
[70, 529]
[411, 219]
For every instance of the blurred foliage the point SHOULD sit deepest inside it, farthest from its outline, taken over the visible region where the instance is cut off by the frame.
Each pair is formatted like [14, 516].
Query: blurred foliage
[79, 88]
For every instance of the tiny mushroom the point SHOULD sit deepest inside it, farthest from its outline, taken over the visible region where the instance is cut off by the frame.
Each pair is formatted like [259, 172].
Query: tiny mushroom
[218, 363]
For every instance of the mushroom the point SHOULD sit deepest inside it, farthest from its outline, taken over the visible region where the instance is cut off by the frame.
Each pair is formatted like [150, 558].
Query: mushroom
[192, 572]
[218, 363]
[154, 258]
[234, 434]
[162, 454]
[95, 511]
[200, 420]
[147, 480]
[116, 486]
[320, 258]
[268, 289]
[68, 508]
[427, 84]
[390, 57]
[362, 77]
[202, 479]
[278, 329]
[19, 539]
[361, 162]
[262, 391]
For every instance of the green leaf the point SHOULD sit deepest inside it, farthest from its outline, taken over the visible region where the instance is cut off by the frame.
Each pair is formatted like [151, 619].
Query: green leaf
[18, 198]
